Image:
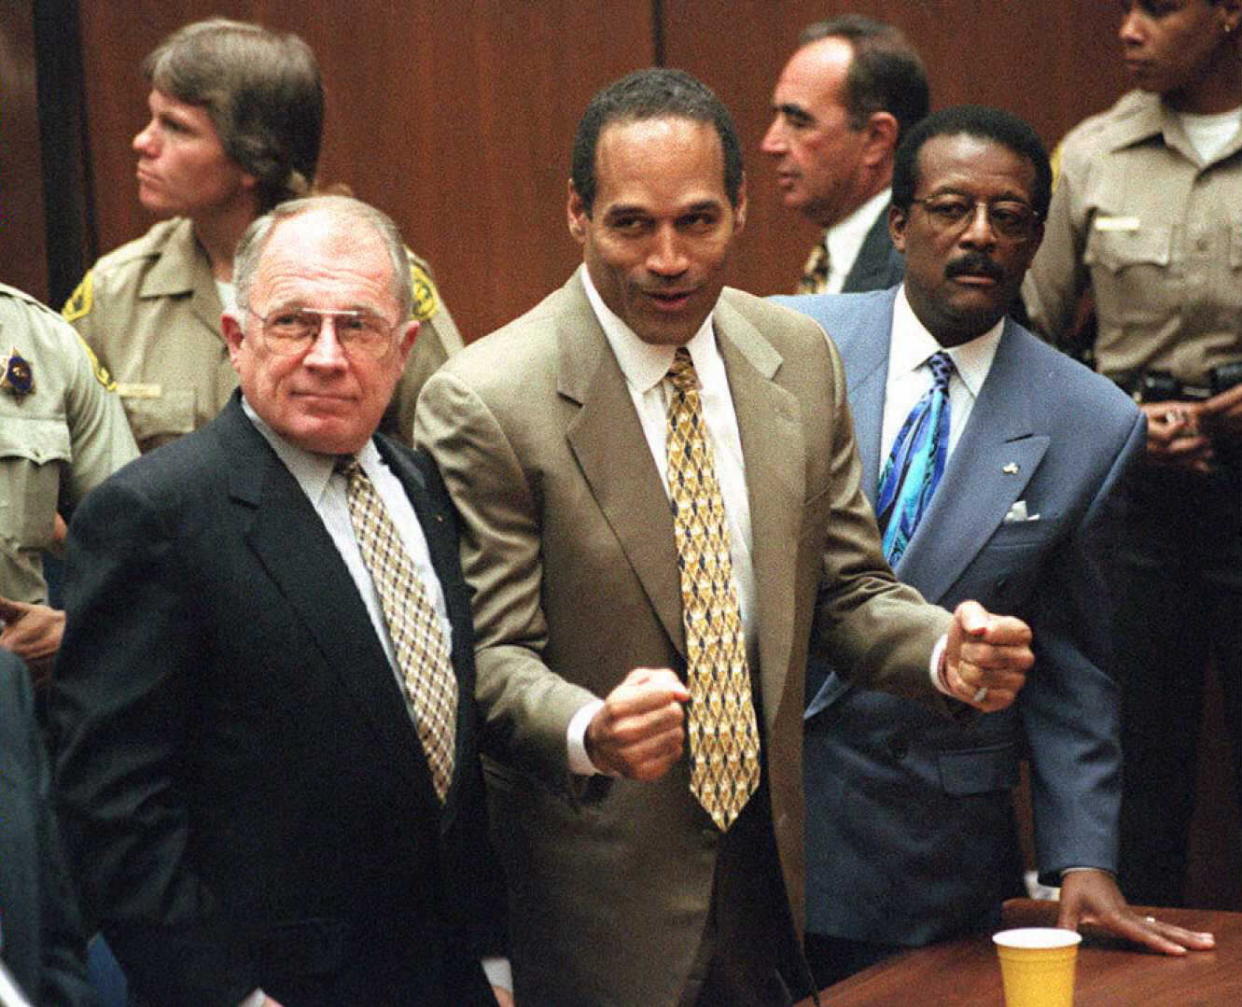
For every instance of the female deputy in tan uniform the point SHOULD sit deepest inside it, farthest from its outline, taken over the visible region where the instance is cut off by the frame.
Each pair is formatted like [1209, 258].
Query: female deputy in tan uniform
[1147, 214]
[236, 122]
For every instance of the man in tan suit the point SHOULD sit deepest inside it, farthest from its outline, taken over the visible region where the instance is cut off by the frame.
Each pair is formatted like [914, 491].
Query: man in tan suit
[625, 886]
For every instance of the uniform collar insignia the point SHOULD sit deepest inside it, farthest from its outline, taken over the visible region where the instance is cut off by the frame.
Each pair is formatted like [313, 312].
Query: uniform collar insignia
[18, 378]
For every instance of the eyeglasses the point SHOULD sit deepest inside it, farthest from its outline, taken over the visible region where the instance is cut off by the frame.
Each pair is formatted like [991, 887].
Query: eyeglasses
[950, 212]
[288, 332]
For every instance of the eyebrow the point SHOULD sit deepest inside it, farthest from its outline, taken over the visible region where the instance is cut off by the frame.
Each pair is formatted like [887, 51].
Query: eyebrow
[794, 111]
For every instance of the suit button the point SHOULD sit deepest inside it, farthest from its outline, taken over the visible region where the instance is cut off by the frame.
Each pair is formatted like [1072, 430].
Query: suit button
[898, 747]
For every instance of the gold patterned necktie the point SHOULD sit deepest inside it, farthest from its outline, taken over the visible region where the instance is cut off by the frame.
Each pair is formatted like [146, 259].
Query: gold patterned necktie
[723, 732]
[815, 272]
[413, 626]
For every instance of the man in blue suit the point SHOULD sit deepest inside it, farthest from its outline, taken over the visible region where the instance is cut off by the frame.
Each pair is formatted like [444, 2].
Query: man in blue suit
[910, 832]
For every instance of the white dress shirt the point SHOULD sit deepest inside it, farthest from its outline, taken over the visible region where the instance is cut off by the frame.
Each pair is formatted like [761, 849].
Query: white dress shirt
[844, 240]
[909, 377]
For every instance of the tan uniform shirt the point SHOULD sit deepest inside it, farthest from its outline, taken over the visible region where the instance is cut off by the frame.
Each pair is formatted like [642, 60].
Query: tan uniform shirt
[151, 312]
[59, 440]
[1156, 233]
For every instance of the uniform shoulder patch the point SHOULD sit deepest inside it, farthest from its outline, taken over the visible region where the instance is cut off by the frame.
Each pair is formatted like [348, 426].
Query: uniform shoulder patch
[426, 297]
[81, 300]
[100, 371]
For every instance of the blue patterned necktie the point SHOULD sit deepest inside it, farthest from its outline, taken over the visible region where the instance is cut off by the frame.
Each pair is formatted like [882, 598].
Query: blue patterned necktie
[916, 464]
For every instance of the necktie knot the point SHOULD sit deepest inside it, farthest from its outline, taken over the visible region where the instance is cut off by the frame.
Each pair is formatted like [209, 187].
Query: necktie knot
[942, 369]
[348, 466]
[682, 373]
[815, 273]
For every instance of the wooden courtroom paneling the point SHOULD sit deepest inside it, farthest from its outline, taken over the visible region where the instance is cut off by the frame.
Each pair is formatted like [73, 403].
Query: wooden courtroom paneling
[455, 117]
[23, 242]
[1051, 61]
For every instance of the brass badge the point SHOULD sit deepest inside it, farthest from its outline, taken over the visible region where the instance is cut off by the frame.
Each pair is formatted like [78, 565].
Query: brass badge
[18, 378]
[426, 299]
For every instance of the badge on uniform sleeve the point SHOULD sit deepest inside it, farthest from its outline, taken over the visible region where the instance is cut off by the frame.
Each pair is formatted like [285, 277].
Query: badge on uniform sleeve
[18, 378]
[426, 298]
[81, 300]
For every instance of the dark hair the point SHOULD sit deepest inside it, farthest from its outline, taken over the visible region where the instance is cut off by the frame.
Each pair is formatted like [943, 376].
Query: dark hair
[263, 92]
[654, 93]
[979, 121]
[885, 75]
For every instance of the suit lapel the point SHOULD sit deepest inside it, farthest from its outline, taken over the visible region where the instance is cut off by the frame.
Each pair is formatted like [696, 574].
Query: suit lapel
[295, 548]
[980, 483]
[607, 439]
[877, 265]
[774, 454]
[866, 374]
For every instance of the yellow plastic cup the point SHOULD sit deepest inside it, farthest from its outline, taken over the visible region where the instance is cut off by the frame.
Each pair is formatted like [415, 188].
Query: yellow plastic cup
[1037, 966]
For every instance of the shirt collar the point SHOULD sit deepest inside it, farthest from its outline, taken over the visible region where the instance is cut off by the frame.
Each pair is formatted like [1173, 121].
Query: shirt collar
[311, 470]
[912, 345]
[644, 364]
[845, 238]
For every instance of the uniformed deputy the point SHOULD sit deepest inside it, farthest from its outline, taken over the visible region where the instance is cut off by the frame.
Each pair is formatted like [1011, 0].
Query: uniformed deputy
[235, 128]
[1148, 215]
[62, 432]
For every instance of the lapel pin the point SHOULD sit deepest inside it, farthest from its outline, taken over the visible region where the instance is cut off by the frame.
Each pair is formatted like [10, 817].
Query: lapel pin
[1011, 469]
[18, 379]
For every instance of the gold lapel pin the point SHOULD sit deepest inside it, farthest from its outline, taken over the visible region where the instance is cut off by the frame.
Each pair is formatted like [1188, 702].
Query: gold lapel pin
[1011, 469]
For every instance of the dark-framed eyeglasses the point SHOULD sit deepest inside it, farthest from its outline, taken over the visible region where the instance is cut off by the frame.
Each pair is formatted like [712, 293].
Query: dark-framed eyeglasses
[952, 212]
[289, 332]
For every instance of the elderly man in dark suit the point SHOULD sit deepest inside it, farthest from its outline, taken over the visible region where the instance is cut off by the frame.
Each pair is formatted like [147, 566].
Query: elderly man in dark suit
[41, 940]
[850, 91]
[910, 831]
[266, 736]
[660, 496]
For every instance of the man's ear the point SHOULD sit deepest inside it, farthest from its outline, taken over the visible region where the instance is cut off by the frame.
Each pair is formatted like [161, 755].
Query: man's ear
[576, 214]
[739, 209]
[881, 140]
[897, 218]
[231, 329]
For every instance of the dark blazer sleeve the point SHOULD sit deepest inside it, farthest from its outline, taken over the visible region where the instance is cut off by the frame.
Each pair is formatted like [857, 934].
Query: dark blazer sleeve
[44, 945]
[122, 707]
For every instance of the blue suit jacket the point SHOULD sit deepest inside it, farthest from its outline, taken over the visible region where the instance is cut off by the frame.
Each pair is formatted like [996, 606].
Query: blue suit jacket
[910, 833]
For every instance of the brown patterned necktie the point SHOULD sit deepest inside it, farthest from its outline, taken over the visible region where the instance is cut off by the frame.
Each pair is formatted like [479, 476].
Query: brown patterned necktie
[417, 639]
[815, 272]
[724, 735]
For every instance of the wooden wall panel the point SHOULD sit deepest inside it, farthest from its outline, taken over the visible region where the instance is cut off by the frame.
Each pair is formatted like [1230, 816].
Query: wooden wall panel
[454, 117]
[23, 242]
[1051, 61]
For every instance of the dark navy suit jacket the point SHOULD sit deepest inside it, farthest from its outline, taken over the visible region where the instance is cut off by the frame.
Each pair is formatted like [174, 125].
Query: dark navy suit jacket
[40, 929]
[244, 793]
[878, 264]
[910, 833]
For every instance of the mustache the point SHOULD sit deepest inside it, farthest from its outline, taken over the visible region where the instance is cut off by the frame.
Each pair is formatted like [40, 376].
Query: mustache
[976, 264]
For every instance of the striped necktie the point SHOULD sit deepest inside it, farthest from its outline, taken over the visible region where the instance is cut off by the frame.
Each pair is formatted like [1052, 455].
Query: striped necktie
[917, 461]
[721, 722]
[413, 626]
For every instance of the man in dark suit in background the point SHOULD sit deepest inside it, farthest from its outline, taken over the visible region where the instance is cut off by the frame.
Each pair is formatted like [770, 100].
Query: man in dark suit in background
[910, 831]
[40, 929]
[266, 735]
[844, 100]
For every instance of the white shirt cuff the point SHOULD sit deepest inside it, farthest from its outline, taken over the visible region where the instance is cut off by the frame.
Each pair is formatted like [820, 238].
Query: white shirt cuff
[937, 657]
[575, 739]
[256, 999]
[499, 972]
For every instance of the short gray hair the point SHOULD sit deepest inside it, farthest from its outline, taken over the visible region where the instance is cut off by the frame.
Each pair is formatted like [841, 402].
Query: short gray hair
[254, 241]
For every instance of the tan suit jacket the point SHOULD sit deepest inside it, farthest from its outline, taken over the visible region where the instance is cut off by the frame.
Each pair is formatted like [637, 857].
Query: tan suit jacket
[568, 543]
